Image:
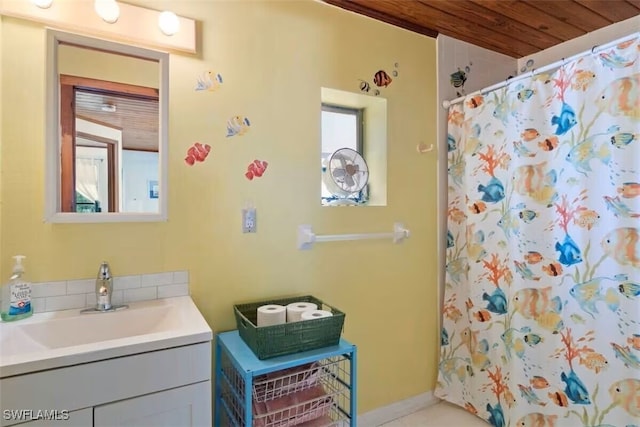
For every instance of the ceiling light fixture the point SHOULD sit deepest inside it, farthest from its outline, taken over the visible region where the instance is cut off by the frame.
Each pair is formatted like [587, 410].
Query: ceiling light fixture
[169, 23]
[108, 10]
[42, 4]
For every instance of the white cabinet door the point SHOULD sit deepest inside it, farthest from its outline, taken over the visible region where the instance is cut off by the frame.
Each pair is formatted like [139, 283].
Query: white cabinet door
[79, 418]
[187, 406]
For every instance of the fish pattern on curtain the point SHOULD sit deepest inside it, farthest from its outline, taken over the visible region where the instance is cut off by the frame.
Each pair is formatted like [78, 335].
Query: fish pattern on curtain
[541, 314]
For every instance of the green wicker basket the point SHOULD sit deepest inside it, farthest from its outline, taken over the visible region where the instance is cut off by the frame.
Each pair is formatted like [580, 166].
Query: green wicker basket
[278, 340]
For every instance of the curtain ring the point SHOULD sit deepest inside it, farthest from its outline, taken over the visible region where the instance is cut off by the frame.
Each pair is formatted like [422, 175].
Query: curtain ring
[593, 49]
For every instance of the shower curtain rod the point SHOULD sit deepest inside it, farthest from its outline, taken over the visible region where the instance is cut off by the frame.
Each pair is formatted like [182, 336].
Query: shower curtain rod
[557, 64]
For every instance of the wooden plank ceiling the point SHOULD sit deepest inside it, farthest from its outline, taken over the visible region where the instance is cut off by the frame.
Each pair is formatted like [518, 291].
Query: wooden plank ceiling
[517, 28]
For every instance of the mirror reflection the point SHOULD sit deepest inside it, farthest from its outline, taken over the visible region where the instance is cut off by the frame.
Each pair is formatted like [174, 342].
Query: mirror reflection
[353, 153]
[109, 103]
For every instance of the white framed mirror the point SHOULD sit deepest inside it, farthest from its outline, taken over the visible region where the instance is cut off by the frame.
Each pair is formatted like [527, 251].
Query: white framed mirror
[106, 141]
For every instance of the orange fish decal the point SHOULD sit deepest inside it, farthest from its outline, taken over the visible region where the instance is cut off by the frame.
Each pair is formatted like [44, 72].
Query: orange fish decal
[530, 134]
[549, 144]
[629, 190]
[533, 257]
[456, 215]
[587, 219]
[559, 398]
[455, 117]
[478, 207]
[482, 316]
[381, 78]
[475, 101]
[582, 80]
[553, 269]
[197, 153]
[539, 382]
[256, 169]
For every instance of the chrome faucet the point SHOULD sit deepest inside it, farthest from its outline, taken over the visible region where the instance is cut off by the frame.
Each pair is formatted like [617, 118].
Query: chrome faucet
[104, 287]
[104, 290]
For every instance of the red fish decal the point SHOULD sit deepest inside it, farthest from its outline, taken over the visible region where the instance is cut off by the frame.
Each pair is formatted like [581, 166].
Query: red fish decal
[256, 169]
[197, 153]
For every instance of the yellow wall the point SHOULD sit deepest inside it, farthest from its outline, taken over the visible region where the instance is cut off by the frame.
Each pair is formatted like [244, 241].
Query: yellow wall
[274, 57]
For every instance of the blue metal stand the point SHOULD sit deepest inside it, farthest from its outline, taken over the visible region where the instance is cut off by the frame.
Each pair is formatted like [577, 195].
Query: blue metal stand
[234, 381]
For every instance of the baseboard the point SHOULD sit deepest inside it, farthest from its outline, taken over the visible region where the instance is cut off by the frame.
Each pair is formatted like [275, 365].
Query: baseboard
[395, 410]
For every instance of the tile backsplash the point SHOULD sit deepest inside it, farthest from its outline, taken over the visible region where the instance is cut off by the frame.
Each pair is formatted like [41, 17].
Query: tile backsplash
[72, 294]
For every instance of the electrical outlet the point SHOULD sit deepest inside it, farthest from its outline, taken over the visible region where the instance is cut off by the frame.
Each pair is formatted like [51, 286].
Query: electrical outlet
[249, 220]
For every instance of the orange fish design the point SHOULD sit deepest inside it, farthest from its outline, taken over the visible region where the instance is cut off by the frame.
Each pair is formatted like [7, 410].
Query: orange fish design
[553, 269]
[629, 190]
[536, 182]
[539, 382]
[457, 215]
[478, 207]
[594, 361]
[530, 134]
[549, 144]
[623, 245]
[621, 97]
[626, 393]
[559, 398]
[586, 219]
[582, 80]
[532, 303]
[468, 303]
[482, 316]
[533, 257]
[634, 341]
[469, 407]
[455, 117]
[475, 101]
[536, 419]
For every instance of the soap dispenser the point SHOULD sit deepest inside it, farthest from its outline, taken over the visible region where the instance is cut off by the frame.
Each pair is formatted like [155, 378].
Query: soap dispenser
[104, 287]
[16, 295]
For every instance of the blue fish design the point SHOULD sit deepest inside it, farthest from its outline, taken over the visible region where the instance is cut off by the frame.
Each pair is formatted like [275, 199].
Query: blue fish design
[575, 389]
[450, 242]
[497, 301]
[629, 289]
[451, 143]
[588, 293]
[444, 337]
[629, 359]
[530, 395]
[565, 121]
[496, 416]
[619, 208]
[493, 191]
[612, 60]
[569, 252]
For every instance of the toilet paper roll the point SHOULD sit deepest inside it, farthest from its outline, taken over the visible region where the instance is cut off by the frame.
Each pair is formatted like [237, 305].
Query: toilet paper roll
[271, 314]
[295, 310]
[315, 314]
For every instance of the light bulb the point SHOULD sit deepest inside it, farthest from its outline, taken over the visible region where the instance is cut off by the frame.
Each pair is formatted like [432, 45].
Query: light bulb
[168, 23]
[108, 10]
[42, 4]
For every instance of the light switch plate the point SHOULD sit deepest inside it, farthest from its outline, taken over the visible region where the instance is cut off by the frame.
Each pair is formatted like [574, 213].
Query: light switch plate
[249, 220]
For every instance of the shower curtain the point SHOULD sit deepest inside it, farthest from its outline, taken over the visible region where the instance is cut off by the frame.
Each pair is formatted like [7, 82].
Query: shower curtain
[541, 314]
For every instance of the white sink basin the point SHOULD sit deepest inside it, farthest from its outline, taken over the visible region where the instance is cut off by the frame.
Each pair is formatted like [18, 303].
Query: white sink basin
[63, 338]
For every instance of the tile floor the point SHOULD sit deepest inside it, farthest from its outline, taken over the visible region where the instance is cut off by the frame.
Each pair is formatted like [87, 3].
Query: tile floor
[442, 414]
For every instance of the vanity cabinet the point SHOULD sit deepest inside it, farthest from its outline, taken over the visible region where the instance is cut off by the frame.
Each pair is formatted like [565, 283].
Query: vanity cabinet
[168, 387]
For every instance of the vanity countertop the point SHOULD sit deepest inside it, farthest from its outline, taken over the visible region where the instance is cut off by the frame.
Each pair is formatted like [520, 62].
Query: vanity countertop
[64, 338]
